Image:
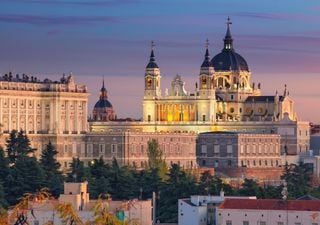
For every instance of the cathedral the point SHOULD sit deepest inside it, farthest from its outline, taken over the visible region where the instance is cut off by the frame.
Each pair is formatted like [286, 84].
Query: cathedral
[224, 92]
[224, 100]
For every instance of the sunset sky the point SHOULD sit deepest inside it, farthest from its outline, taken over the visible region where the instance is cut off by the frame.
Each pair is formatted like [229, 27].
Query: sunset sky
[279, 39]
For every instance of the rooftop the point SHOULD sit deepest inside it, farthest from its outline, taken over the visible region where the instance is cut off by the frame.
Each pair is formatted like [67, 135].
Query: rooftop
[271, 204]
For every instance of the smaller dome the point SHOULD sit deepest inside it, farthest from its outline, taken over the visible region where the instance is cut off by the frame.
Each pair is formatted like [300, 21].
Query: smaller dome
[103, 103]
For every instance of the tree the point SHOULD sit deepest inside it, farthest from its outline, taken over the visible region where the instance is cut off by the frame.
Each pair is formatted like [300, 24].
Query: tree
[18, 145]
[155, 158]
[298, 179]
[25, 176]
[4, 166]
[249, 188]
[179, 185]
[53, 178]
[77, 171]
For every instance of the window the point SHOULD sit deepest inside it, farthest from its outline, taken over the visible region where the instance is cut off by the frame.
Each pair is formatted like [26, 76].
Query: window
[229, 149]
[228, 222]
[203, 118]
[263, 223]
[203, 150]
[101, 148]
[245, 223]
[36, 222]
[314, 223]
[216, 149]
[231, 96]
[297, 223]
[149, 118]
[114, 148]
[231, 110]
[280, 223]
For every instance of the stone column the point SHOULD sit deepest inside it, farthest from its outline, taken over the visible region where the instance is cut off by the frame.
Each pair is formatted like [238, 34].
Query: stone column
[35, 116]
[1, 113]
[43, 115]
[85, 115]
[166, 111]
[18, 114]
[67, 116]
[76, 116]
[10, 115]
[51, 115]
[26, 119]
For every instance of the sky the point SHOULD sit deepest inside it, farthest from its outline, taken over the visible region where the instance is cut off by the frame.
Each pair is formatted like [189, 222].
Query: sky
[280, 40]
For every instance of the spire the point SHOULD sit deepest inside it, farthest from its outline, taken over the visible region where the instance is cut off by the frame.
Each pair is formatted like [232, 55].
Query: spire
[152, 62]
[228, 38]
[285, 93]
[206, 61]
[103, 91]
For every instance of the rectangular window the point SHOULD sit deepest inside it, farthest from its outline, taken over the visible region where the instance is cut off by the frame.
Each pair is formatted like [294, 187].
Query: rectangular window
[241, 149]
[263, 223]
[203, 150]
[229, 149]
[280, 223]
[101, 149]
[228, 222]
[114, 148]
[297, 223]
[245, 223]
[216, 149]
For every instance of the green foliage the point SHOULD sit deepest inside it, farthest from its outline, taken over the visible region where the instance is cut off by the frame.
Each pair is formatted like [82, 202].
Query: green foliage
[18, 145]
[298, 179]
[25, 176]
[77, 171]
[155, 158]
[179, 185]
[249, 188]
[53, 178]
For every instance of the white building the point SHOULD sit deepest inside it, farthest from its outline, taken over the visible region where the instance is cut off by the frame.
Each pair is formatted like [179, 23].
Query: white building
[43, 212]
[201, 210]
[268, 212]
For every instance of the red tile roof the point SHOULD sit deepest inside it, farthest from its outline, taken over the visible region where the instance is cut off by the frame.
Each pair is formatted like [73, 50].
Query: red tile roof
[271, 204]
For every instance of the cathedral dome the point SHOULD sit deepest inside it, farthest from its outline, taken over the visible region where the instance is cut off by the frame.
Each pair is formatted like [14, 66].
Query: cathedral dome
[228, 59]
[103, 109]
[103, 103]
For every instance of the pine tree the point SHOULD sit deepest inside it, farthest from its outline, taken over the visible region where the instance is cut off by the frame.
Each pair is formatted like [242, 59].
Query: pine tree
[51, 168]
[77, 171]
[18, 145]
[4, 166]
[25, 176]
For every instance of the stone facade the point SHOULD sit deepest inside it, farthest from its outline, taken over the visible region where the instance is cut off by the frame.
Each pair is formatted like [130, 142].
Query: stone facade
[230, 150]
[46, 110]
[130, 148]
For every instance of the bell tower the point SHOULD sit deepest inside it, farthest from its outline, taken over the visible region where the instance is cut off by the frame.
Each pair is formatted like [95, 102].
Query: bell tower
[152, 77]
[152, 91]
[206, 92]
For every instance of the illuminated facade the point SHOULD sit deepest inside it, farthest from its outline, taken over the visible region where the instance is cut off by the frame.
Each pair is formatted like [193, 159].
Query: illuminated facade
[225, 99]
[45, 110]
